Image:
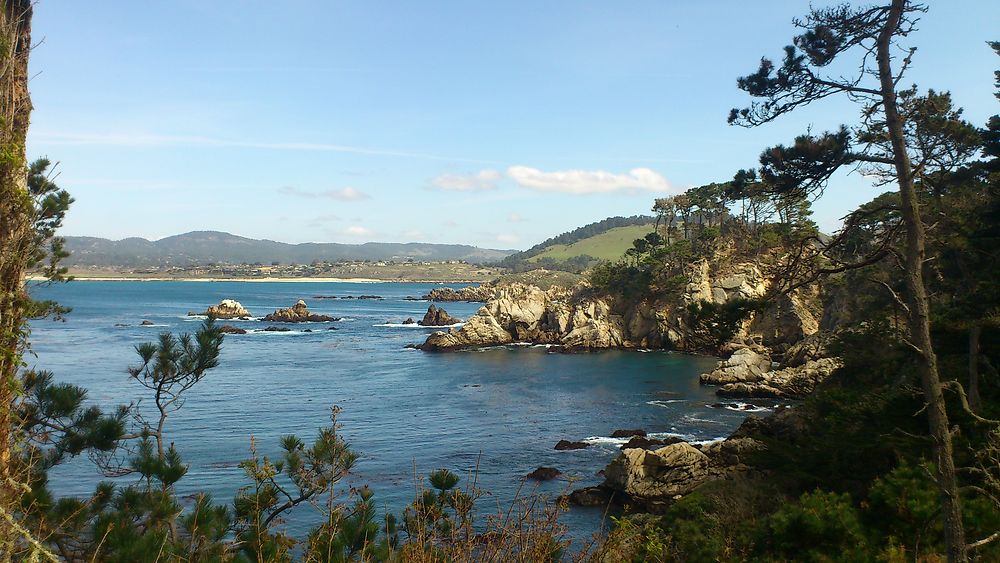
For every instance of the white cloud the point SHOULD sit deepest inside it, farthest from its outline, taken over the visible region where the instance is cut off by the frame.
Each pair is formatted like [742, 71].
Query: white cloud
[357, 231]
[343, 194]
[589, 181]
[508, 238]
[515, 218]
[478, 182]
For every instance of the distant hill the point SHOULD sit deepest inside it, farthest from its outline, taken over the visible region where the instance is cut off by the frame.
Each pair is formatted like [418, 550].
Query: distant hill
[582, 247]
[609, 245]
[204, 247]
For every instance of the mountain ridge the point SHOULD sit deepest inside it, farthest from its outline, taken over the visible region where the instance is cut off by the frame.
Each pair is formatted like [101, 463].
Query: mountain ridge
[203, 247]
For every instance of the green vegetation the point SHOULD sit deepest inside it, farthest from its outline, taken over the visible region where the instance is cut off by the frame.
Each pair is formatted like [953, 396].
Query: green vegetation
[609, 245]
[896, 457]
[571, 258]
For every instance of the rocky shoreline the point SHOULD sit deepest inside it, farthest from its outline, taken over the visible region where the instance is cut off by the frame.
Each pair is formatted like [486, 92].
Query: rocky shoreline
[778, 352]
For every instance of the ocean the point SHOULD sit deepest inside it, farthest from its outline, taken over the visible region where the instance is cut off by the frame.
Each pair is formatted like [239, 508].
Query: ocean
[495, 412]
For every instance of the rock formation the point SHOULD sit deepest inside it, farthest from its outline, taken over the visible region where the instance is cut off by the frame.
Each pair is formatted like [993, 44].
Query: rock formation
[786, 383]
[745, 365]
[297, 313]
[544, 474]
[578, 318]
[482, 293]
[230, 329]
[438, 317]
[650, 480]
[227, 309]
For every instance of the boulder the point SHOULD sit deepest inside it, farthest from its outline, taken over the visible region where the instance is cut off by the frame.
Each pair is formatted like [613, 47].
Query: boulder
[544, 474]
[147, 323]
[276, 329]
[592, 496]
[745, 365]
[438, 317]
[567, 445]
[664, 473]
[409, 321]
[226, 309]
[230, 329]
[787, 383]
[297, 313]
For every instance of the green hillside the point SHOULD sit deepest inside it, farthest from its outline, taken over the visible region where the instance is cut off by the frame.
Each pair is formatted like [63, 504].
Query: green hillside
[609, 245]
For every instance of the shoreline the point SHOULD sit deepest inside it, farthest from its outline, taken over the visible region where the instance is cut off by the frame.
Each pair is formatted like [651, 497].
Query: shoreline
[256, 280]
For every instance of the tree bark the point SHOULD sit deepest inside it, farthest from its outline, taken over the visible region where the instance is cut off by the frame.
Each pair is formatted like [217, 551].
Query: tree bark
[15, 217]
[975, 331]
[919, 308]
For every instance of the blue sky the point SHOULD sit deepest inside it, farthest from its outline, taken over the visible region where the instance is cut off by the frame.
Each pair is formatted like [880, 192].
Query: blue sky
[490, 123]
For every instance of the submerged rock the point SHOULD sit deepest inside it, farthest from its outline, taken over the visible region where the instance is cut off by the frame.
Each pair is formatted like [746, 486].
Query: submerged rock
[147, 323]
[438, 317]
[298, 313]
[230, 329]
[276, 329]
[567, 445]
[628, 433]
[226, 309]
[544, 474]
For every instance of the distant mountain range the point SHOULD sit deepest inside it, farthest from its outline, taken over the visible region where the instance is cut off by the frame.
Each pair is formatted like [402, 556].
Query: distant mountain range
[204, 247]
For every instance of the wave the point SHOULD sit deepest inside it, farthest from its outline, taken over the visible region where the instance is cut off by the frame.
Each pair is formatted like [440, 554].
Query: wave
[154, 325]
[664, 402]
[740, 406]
[605, 441]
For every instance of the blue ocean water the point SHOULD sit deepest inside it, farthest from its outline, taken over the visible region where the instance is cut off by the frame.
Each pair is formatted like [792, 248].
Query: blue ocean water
[405, 411]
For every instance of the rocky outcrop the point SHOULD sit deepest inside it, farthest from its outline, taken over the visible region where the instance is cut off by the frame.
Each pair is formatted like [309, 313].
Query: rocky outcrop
[579, 319]
[786, 383]
[481, 293]
[438, 317]
[650, 480]
[524, 313]
[298, 313]
[645, 443]
[230, 329]
[664, 473]
[745, 365]
[227, 309]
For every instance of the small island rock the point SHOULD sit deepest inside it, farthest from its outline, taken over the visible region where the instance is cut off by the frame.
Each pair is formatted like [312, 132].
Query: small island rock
[298, 313]
[544, 474]
[226, 309]
[438, 317]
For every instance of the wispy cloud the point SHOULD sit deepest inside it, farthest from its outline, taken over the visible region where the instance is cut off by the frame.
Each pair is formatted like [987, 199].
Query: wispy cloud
[515, 218]
[478, 182]
[152, 140]
[588, 181]
[343, 194]
[508, 238]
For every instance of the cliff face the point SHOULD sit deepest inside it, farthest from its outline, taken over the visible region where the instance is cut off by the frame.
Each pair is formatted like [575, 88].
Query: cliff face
[578, 318]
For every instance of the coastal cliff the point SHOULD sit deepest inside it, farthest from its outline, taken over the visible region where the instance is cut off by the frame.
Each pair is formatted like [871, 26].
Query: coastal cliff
[582, 318]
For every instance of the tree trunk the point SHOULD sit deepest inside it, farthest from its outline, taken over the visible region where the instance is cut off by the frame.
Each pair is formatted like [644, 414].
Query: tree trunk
[15, 217]
[918, 316]
[975, 331]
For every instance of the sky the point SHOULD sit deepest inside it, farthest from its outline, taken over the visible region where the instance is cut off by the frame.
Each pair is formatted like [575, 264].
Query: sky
[497, 124]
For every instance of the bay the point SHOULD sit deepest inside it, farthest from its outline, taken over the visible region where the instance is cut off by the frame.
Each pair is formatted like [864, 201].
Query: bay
[495, 413]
